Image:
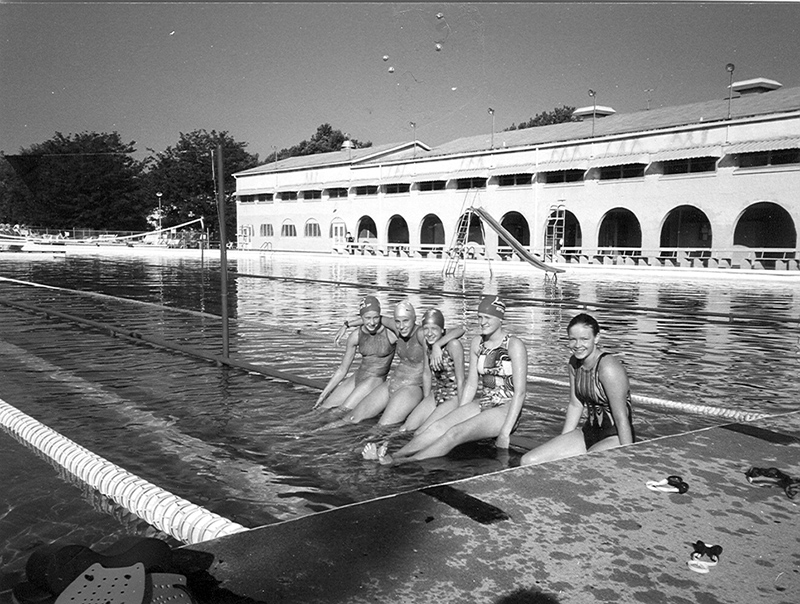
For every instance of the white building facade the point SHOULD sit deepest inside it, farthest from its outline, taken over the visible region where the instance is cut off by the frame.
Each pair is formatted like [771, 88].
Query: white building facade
[711, 184]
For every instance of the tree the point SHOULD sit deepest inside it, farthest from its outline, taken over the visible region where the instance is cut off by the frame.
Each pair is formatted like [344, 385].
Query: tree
[325, 139]
[184, 175]
[86, 180]
[545, 118]
[14, 195]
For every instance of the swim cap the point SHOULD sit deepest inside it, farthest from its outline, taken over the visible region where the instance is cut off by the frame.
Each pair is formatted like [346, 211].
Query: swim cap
[433, 315]
[492, 305]
[404, 307]
[369, 303]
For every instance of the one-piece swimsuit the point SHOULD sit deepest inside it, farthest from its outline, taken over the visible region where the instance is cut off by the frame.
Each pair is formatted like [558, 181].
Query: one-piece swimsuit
[443, 381]
[377, 353]
[599, 422]
[496, 372]
[408, 372]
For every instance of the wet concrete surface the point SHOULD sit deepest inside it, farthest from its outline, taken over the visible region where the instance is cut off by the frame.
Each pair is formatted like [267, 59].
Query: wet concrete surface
[584, 529]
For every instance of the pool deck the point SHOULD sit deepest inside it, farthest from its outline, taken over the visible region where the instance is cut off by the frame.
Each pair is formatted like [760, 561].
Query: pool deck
[584, 529]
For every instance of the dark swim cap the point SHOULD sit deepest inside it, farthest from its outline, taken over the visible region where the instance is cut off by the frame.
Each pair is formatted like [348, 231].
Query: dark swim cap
[492, 305]
[433, 315]
[369, 303]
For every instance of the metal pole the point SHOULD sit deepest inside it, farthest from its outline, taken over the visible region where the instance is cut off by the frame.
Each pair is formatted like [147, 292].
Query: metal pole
[223, 250]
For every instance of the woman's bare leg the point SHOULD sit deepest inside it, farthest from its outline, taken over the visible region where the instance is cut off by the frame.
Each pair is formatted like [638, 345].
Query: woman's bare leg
[362, 390]
[563, 445]
[370, 406]
[437, 430]
[420, 413]
[400, 405]
[339, 394]
[438, 413]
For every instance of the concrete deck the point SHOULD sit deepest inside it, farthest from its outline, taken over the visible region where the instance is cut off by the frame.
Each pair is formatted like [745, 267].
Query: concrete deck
[584, 529]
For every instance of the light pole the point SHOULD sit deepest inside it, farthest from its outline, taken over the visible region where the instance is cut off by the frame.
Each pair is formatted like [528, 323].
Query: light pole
[491, 112]
[159, 194]
[593, 94]
[730, 67]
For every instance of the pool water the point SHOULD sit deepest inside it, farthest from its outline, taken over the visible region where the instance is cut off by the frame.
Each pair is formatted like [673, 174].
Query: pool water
[244, 446]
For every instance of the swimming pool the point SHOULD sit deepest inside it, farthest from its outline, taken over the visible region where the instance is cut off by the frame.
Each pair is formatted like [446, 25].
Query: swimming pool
[241, 444]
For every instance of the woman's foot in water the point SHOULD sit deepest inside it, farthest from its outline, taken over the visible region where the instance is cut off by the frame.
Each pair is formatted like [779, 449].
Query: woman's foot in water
[372, 452]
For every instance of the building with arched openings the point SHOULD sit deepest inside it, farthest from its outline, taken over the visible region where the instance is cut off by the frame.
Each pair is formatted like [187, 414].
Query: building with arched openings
[714, 183]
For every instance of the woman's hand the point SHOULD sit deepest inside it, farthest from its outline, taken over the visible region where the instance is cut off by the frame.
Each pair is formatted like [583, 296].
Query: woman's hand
[340, 334]
[437, 357]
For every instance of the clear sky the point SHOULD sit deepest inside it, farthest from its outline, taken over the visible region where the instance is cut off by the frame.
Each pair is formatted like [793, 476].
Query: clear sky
[270, 73]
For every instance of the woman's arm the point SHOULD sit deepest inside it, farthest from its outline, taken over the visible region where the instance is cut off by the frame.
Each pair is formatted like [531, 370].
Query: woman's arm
[426, 373]
[519, 377]
[341, 371]
[436, 349]
[456, 349]
[574, 407]
[615, 382]
[471, 385]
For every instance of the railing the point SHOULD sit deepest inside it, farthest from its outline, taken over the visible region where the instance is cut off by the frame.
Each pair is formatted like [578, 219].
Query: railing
[668, 257]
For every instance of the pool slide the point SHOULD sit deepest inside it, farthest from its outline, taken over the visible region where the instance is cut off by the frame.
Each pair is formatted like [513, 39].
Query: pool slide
[515, 245]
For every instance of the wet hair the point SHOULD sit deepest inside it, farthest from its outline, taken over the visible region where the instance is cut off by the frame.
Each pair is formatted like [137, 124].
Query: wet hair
[584, 319]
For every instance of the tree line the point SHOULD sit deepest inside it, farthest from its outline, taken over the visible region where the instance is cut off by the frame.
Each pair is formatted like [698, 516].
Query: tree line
[91, 180]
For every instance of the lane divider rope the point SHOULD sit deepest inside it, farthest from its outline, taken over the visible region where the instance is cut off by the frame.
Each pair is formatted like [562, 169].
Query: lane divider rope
[175, 516]
[736, 414]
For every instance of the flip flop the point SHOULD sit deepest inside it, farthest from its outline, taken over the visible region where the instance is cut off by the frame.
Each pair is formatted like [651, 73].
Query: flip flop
[671, 484]
[704, 557]
[697, 566]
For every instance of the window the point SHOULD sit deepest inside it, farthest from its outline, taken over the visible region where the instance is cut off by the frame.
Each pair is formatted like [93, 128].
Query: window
[311, 195]
[264, 198]
[471, 183]
[288, 230]
[514, 180]
[776, 157]
[432, 185]
[395, 188]
[562, 176]
[367, 190]
[266, 230]
[334, 193]
[288, 195]
[625, 171]
[312, 229]
[692, 164]
[247, 198]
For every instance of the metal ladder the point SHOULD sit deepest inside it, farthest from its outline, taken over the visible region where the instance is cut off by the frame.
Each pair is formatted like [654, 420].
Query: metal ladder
[455, 255]
[554, 233]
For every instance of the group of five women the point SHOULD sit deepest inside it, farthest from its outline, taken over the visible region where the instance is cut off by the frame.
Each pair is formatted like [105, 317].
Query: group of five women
[427, 392]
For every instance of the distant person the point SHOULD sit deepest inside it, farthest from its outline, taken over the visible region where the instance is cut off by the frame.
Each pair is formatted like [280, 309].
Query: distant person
[447, 374]
[598, 382]
[376, 345]
[499, 362]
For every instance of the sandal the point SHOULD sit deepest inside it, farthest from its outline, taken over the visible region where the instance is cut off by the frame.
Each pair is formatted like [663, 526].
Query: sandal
[671, 484]
[704, 557]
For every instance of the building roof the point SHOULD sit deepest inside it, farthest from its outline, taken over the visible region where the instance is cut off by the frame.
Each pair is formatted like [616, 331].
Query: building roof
[773, 102]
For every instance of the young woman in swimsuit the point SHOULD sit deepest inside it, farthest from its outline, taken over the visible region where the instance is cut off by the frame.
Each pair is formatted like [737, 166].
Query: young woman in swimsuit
[500, 362]
[447, 376]
[599, 382]
[409, 381]
[376, 344]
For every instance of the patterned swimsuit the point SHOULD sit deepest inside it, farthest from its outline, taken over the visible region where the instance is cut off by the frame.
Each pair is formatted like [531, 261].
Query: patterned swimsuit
[494, 367]
[443, 381]
[599, 422]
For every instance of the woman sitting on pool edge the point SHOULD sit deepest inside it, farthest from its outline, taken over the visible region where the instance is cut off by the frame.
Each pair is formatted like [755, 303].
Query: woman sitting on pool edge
[500, 361]
[376, 344]
[599, 382]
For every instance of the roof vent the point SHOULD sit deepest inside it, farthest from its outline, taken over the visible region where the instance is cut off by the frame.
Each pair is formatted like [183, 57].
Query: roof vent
[755, 86]
[598, 111]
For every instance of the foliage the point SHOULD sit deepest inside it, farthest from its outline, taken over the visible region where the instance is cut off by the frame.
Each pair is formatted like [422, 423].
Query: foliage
[325, 140]
[87, 180]
[545, 118]
[184, 175]
[14, 195]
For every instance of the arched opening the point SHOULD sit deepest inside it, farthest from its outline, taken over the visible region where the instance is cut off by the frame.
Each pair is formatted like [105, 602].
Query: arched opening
[573, 236]
[397, 231]
[565, 231]
[431, 232]
[687, 227]
[366, 228]
[765, 224]
[517, 226]
[620, 229]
